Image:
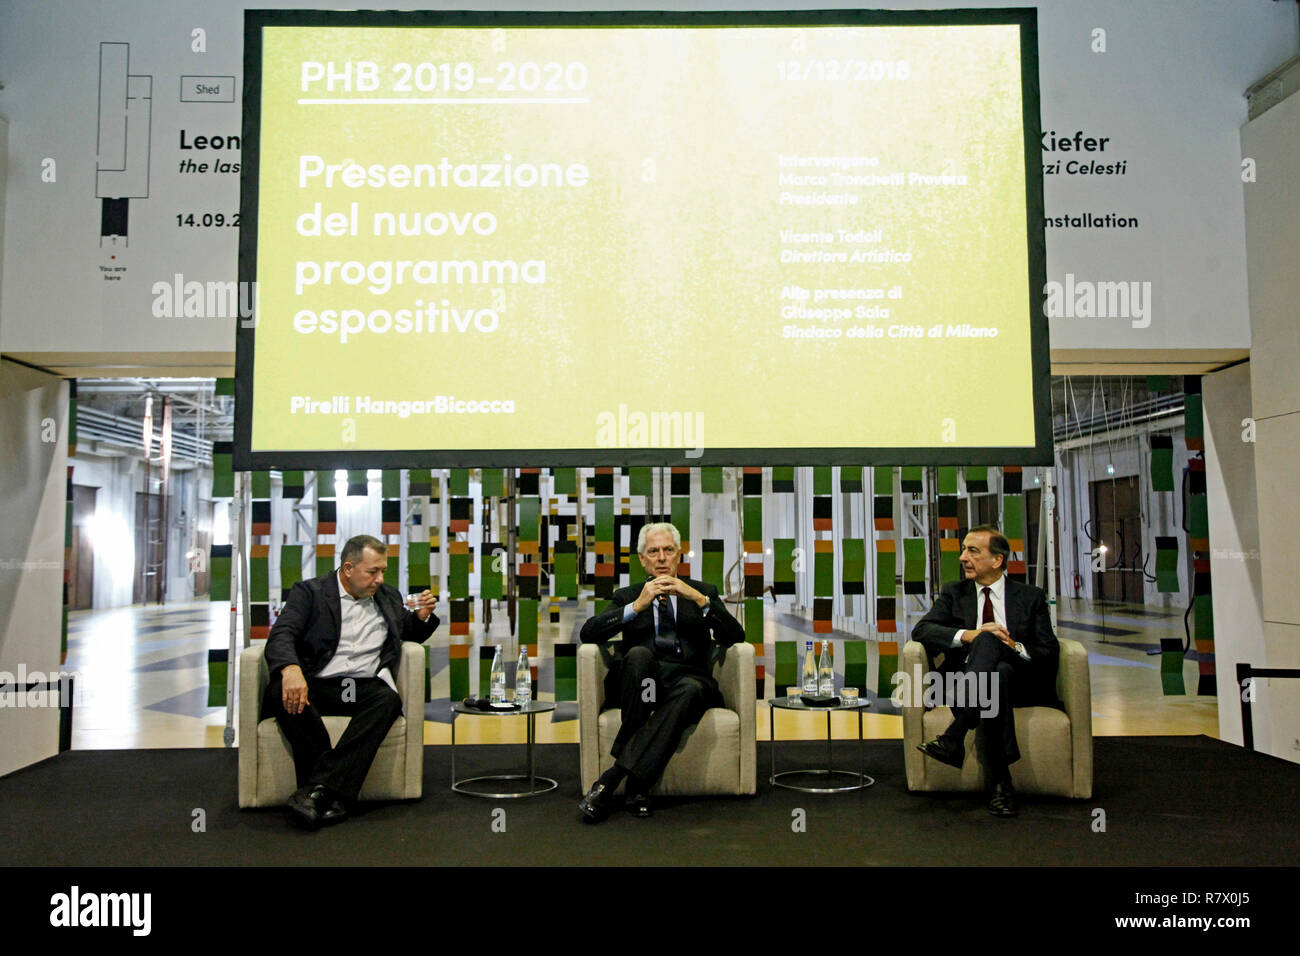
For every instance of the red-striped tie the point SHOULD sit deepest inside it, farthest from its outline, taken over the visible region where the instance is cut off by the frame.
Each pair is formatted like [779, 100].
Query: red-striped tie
[988, 607]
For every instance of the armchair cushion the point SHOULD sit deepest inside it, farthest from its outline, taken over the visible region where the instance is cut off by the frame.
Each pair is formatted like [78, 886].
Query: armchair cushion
[716, 756]
[266, 772]
[1055, 745]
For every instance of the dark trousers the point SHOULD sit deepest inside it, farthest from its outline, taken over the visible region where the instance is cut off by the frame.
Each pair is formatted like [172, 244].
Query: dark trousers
[373, 708]
[656, 712]
[1004, 672]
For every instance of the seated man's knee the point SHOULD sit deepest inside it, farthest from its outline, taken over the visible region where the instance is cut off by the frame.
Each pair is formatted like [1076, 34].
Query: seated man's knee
[639, 659]
[690, 688]
[639, 653]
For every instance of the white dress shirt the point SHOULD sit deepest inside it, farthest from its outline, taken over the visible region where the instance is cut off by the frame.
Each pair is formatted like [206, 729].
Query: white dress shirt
[998, 593]
[362, 632]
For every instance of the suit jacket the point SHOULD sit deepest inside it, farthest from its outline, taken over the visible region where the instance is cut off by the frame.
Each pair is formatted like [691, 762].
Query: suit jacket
[1028, 622]
[307, 631]
[695, 629]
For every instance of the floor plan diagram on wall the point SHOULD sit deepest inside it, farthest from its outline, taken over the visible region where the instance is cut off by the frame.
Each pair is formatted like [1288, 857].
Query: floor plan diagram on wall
[122, 140]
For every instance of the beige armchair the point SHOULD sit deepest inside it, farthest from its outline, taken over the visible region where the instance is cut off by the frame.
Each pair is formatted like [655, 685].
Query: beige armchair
[266, 772]
[1055, 745]
[716, 756]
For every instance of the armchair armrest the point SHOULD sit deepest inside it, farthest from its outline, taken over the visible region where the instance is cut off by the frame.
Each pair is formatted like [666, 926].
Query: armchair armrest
[915, 665]
[735, 677]
[411, 668]
[254, 675]
[591, 695]
[1074, 687]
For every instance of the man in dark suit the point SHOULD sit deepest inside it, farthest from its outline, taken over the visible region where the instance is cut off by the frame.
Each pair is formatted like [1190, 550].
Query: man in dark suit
[662, 673]
[1000, 631]
[334, 650]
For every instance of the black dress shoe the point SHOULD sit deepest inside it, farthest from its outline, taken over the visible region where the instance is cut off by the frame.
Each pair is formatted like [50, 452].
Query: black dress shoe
[595, 805]
[945, 750]
[1002, 801]
[640, 807]
[305, 807]
[332, 808]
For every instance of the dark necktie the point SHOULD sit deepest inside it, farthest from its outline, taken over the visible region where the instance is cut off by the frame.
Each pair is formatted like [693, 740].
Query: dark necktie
[666, 638]
[988, 607]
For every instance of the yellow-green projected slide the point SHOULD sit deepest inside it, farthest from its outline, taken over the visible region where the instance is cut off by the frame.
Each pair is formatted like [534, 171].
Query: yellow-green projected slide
[680, 237]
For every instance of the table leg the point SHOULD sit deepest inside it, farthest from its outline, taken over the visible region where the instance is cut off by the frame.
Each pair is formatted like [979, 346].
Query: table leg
[829, 765]
[862, 753]
[531, 730]
[453, 749]
[771, 741]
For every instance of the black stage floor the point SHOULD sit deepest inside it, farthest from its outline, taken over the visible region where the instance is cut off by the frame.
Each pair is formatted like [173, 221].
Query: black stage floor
[1164, 801]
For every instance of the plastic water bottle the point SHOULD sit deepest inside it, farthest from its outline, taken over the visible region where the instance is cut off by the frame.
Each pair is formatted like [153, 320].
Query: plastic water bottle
[497, 679]
[809, 669]
[826, 672]
[523, 677]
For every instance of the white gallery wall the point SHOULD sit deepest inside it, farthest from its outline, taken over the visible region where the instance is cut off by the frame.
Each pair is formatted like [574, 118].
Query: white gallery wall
[33, 498]
[1234, 545]
[1161, 81]
[1273, 250]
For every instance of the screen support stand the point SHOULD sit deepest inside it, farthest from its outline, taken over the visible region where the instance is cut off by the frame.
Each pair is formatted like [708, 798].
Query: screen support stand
[512, 538]
[1047, 538]
[236, 561]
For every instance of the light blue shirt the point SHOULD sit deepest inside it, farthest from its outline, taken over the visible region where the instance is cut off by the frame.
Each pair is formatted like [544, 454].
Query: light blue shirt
[629, 612]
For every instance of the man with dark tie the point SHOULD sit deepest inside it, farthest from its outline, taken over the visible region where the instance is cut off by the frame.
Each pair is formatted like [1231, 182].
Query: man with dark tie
[662, 672]
[1000, 631]
[333, 650]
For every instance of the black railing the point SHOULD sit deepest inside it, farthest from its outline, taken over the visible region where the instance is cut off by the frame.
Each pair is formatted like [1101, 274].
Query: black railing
[1246, 673]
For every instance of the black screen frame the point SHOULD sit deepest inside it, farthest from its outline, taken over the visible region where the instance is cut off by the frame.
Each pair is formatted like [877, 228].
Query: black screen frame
[1041, 453]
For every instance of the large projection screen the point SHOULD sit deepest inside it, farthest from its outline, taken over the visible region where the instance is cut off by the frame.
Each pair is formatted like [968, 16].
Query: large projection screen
[625, 239]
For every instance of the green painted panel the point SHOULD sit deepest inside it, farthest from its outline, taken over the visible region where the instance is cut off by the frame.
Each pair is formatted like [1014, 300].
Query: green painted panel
[1013, 516]
[565, 480]
[259, 584]
[752, 516]
[855, 665]
[493, 481]
[681, 516]
[853, 561]
[824, 574]
[640, 481]
[783, 560]
[754, 621]
[527, 620]
[886, 573]
[530, 510]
